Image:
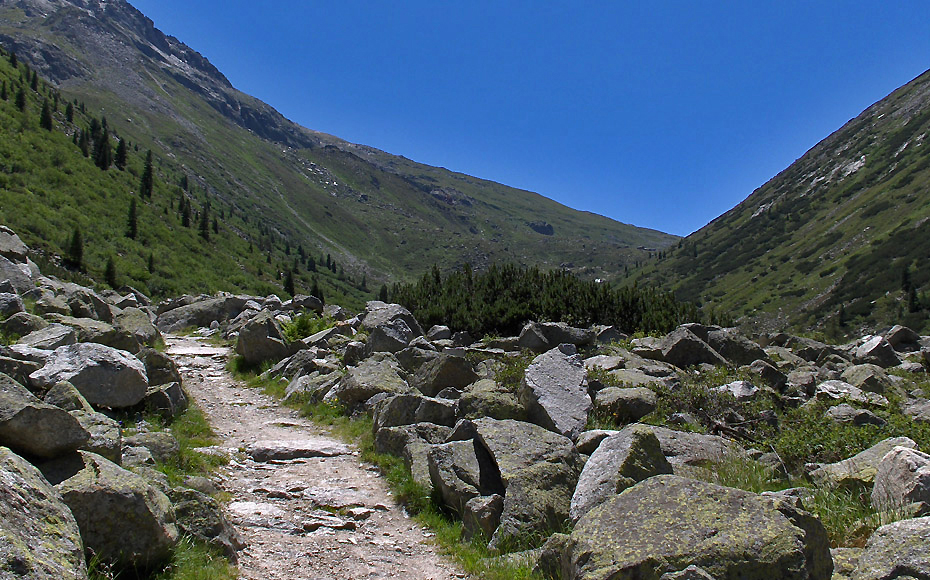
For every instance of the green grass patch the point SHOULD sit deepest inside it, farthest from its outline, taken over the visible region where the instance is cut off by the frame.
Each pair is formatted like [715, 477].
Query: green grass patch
[306, 324]
[191, 560]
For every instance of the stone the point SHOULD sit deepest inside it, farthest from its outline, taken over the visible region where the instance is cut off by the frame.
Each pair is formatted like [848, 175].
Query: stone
[442, 372]
[100, 332]
[302, 362]
[396, 410]
[168, 400]
[692, 572]
[900, 550]
[487, 398]
[734, 347]
[159, 367]
[625, 405]
[902, 478]
[667, 523]
[868, 377]
[859, 470]
[620, 461]
[741, 390]
[283, 450]
[834, 390]
[122, 519]
[412, 443]
[261, 339]
[22, 323]
[374, 375]
[11, 247]
[438, 332]
[85, 303]
[31, 427]
[588, 441]
[532, 338]
[10, 304]
[106, 438]
[163, 446]
[391, 336]
[310, 388]
[413, 358]
[554, 391]
[481, 517]
[50, 337]
[877, 351]
[769, 374]
[694, 449]
[903, 339]
[683, 349]
[201, 517]
[460, 471]
[18, 275]
[845, 413]
[64, 396]
[301, 302]
[136, 322]
[199, 313]
[39, 537]
[378, 313]
[845, 561]
[105, 376]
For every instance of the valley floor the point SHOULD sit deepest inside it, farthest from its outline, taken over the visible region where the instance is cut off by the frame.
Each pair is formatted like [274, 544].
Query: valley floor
[303, 501]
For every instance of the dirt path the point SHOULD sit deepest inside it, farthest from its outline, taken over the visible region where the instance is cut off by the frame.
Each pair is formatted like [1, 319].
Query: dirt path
[304, 503]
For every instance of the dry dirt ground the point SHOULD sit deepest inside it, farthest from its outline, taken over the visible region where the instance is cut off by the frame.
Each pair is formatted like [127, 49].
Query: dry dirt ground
[303, 501]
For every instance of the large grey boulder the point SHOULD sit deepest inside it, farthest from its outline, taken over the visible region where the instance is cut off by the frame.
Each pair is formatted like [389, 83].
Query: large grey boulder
[543, 336]
[49, 337]
[407, 409]
[159, 367]
[390, 336]
[377, 374]
[32, 427]
[106, 376]
[897, 550]
[85, 303]
[106, 436]
[412, 443]
[22, 323]
[39, 538]
[261, 339]
[903, 339]
[460, 471]
[734, 346]
[444, 371]
[11, 247]
[379, 313]
[667, 523]
[122, 518]
[860, 469]
[19, 275]
[65, 396]
[902, 478]
[136, 323]
[620, 461]
[683, 348]
[168, 400]
[101, 332]
[555, 391]
[200, 313]
[683, 448]
[10, 303]
[625, 405]
[877, 351]
[487, 398]
[868, 377]
[539, 470]
[201, 517]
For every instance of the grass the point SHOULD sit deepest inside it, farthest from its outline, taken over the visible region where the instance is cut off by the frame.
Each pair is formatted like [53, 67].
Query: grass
[191, 560]
[306, 324]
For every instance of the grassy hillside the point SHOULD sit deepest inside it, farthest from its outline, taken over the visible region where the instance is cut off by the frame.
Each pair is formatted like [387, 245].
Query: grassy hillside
[382, 217]
[837, 242]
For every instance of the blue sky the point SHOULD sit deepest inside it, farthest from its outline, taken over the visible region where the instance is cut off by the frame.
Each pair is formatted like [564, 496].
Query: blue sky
[663, 114]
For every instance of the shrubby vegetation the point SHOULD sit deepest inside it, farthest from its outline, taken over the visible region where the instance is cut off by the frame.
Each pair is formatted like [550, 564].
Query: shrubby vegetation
[502, 299]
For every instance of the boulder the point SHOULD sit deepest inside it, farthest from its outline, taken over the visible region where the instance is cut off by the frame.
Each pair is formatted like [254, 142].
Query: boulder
[620, 461]
[877, 350]
[769, 374]
[10, 304]
[136, 323]
[159, 367]
[106, 438]
[694, 449]
[683, 349]
[168, 400]
[413, 358]
[625, 405]
[667, 523]
[19, 275]
[859, 470]
[460, 471]
[437, 332]
[741, 390]
[412, 443]
[554, 391]
[39, 538]
[378, 313]
[85, 303]
[902, 478]
[122, 519]
[377, 374]
[390, 336]
[903, 339]
[311, 388]
[897, 550]
[444, 371]
[22, 323]
[201, 517]
[734, 347]
[100, 332]
[482, 516]
[486, 398]
[868, 377]
[105, 376]
[49, 337]
[65, 396]
[163, 446]
[31, 427]
[11, 247]
[200, 313]
[261, 339]
[845, 413]
[302, 362]
[301, 303]
[834, 390]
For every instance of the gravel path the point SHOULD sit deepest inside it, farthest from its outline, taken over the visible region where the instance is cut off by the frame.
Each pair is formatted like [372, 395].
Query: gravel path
[302, 500]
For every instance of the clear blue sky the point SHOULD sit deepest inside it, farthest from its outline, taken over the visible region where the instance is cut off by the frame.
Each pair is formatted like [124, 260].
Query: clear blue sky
[662, 114]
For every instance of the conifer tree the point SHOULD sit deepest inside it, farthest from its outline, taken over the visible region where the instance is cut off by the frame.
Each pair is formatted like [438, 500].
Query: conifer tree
[148, 177]
[120, 160]
[383, 293]
[21, 100]
[75, 256]
[34, 83]
[151, 263]
[103, 154]
[315, 290]
[69, 113]
[289, 283]
[311, 264]
[132, 227]
[13, 60]
[186, 213]
[45, 119]
[3, 94]
[84, 143]
[109, 273]
[216, 226]
[205, 223]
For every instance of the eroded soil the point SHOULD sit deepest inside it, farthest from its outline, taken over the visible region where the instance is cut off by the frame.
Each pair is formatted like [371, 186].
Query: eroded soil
[302, 500]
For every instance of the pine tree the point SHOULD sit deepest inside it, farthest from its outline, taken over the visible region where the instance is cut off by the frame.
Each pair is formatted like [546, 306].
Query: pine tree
[383, 293]
[3, 94]
[75, 257]
[21, 100]
[186, 214]
[315, 290]
[132, 228]
[151, 263]
[13, 61]
[103, 154]
[69, 113]
[84, 143]
[45, 119]
[205, 223]
[147, 183]
[289, 283]
[216, 226]
[109, 274]
[311, 264]
[34, 83]
[120, 160]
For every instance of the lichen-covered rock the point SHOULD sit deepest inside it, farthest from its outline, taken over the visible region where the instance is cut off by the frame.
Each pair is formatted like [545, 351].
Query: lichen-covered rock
[868, 377]
[482, 516]
[555, 391]
[163, 445]
[877, 351]
[198, 312]
[625, 405]
[10, 303]
[31, 427]
[11, 247]
[122, 518]
[39, 538]
[377, 374]
[897, 550]
[49, 337]
[100, 332]
[200, 516]
[22, 323]
[667, 523]
[168, 400]
[105, 376]
[486, 398]
[379, 313]
[106, 437]
[903, 477]
[683, 349]
[442, 372]
[620, 461]
[460, 471]
[391, 336]
[65, 396]
[734, 347]
[261, 339]
[860, 469]
[694, 449]
[136, 323]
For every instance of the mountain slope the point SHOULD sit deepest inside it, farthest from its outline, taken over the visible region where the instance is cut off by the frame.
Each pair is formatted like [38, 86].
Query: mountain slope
[379, 215]
[838, 240]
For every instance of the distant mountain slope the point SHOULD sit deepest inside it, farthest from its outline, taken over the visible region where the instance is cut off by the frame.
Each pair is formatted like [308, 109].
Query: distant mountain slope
[840, 239]
[379, 215]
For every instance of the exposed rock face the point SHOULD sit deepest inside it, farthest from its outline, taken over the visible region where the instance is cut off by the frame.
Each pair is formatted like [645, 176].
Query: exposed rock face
[122, 518]
[897, 550]
[620, 461]
[201, 517]
[486, 398]
[903, 477]
[104, 375]
[377, 374]
[200, 313]
[683, 349]
[30, 426]
[668, 523]
[625, 405]
[860, 469]
[261, 339]
[39, 537]
[442, 372]
[555, 392]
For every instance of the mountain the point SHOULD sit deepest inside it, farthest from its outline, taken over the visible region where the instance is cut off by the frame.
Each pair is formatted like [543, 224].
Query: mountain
[279, 185]
[838, 241]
